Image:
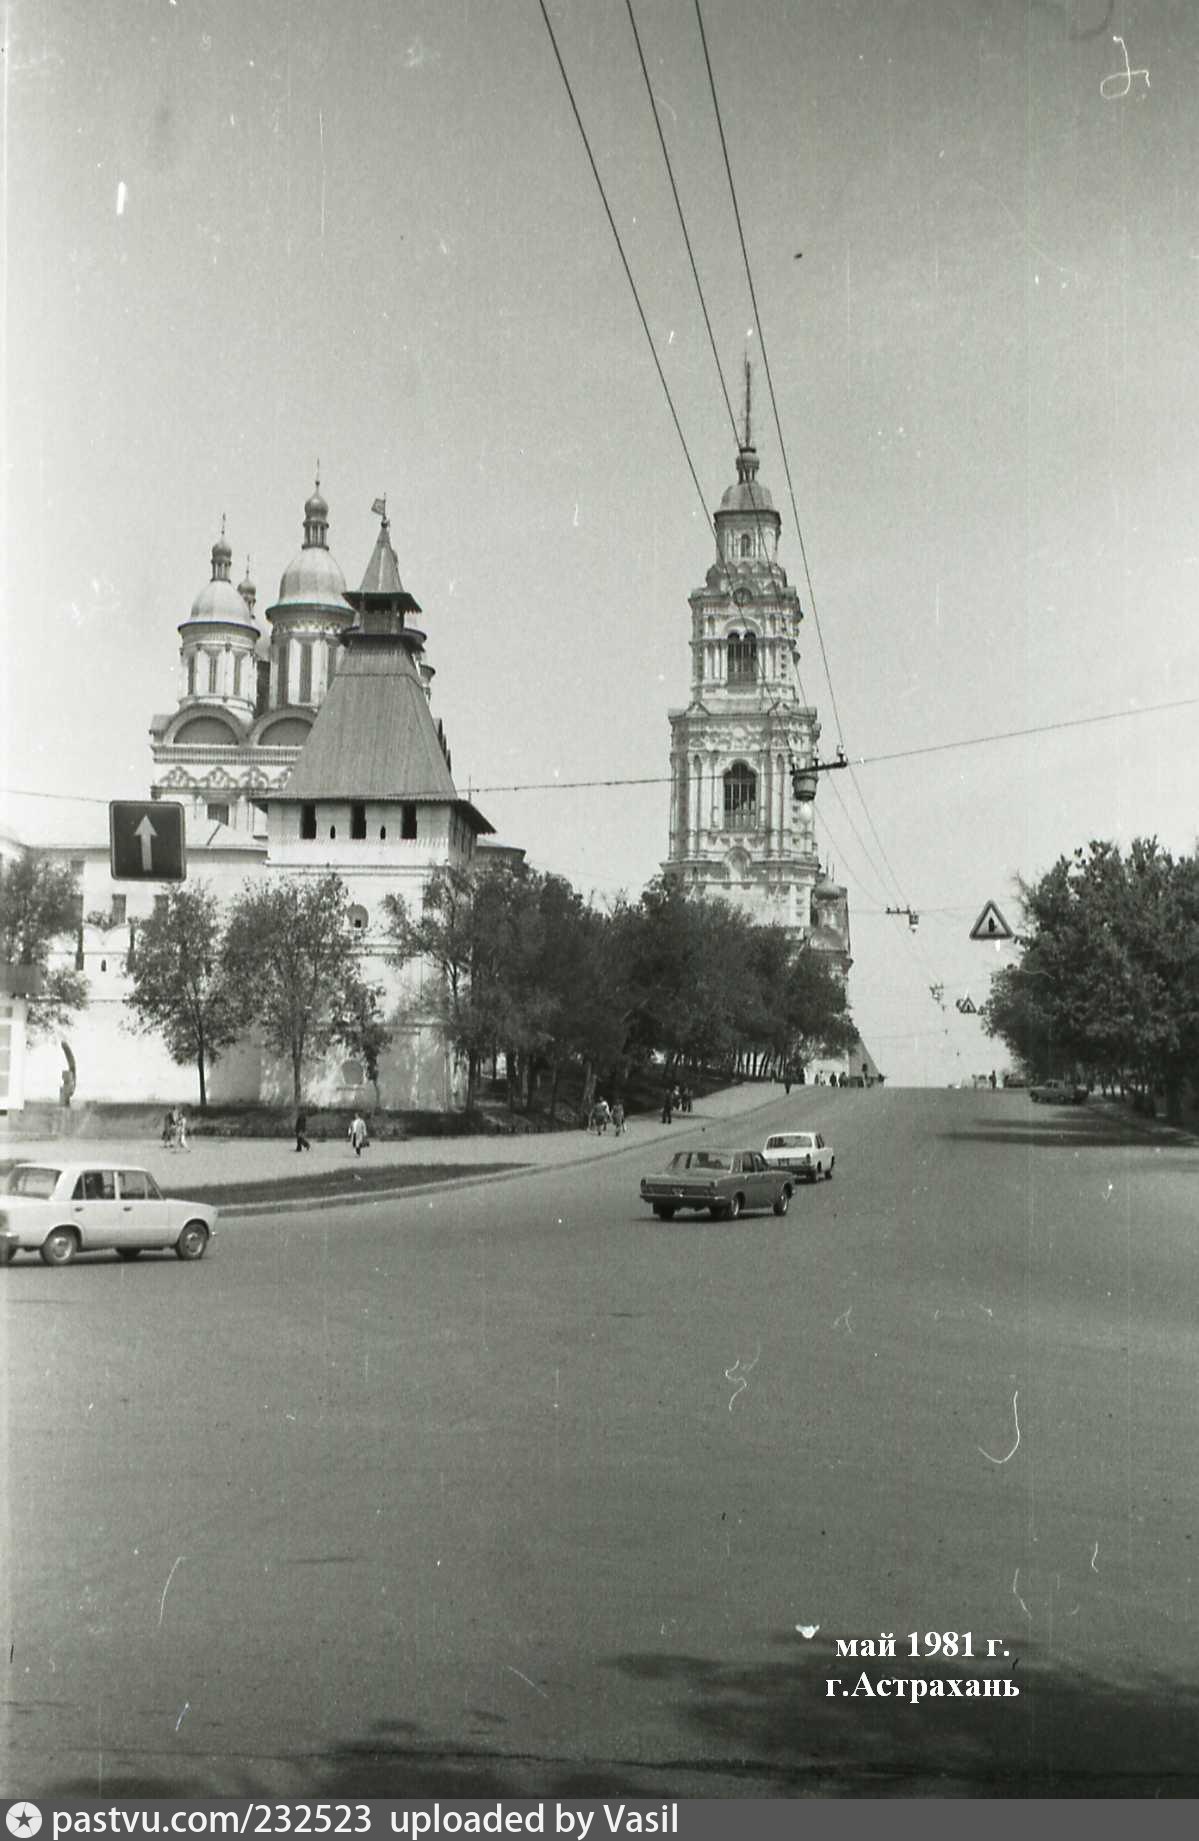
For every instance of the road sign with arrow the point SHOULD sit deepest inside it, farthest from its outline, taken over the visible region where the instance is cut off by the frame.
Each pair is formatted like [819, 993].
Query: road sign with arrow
[146, 842]
[991, 925]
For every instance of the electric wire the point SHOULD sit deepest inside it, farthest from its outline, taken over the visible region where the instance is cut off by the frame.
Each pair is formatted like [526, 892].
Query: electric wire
[890, 869]
[628, 271]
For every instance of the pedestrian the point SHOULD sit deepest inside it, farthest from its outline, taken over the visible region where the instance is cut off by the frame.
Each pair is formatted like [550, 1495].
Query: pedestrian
[302, 1143]
[618, 1118]
[787, 1080]
[668, 1106]
[994, 1081]
[181, 1129]
[676, 1098]
[358, 1134]
[686, 1099]
[602, 1115]
[168, 1129]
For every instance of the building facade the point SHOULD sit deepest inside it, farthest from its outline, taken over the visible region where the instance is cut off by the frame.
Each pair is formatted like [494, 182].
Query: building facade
[308, 748]
[741, 822]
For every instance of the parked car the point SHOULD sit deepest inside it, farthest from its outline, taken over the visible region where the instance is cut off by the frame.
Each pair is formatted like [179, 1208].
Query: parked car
[720, 1183]
[59, 1210]
[804, 1153]
[1058, 1093]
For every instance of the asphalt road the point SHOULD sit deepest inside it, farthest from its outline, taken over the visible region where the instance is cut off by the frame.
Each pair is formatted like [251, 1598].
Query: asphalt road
[513, 1490]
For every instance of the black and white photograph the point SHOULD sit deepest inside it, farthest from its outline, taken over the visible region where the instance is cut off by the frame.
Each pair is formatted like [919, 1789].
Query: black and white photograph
[599, 831]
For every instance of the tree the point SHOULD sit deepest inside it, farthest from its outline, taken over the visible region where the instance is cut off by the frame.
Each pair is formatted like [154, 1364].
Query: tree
[40, 905]
[1109, 980]
[180, 984]
[291, 957]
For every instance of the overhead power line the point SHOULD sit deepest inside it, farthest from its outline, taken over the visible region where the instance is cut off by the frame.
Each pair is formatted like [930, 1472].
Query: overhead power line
[628, 271]
[753, 295]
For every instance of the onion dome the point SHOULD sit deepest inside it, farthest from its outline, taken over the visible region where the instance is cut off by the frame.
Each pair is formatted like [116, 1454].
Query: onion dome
[313, 579]
[747, 494]
[246, 588]
[219, 600]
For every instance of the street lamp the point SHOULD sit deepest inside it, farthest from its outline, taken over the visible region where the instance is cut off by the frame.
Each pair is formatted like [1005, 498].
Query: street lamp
[803, 775]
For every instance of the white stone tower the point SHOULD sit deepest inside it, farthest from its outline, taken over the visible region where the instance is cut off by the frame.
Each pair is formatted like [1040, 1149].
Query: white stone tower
[737, 828]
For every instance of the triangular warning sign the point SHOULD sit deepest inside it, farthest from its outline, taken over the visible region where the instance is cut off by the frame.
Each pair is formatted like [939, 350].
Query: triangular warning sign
[991, 925]
[967, 1006]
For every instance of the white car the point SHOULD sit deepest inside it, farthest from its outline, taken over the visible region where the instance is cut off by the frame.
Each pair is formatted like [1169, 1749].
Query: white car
[804, 1152]
[59, 1210]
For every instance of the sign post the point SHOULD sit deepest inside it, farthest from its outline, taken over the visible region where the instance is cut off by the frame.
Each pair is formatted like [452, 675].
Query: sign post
[146, 841]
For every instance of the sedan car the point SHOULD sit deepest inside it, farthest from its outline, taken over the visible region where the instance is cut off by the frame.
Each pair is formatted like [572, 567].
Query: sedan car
[804, 1153]
[1058, 1093]
[720, 1183]
[59, 1210]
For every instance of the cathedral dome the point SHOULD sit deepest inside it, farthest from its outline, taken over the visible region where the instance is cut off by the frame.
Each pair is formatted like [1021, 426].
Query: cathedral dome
[746, 495]
[313, 577]
[220, 600]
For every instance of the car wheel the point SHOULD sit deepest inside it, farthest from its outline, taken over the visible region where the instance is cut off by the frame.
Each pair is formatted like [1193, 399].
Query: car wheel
[733, 1209]
[192, 1242]
[60, 1247]
[128, 1252]
[782, 1202]
[829, 1173]
[663, 1211]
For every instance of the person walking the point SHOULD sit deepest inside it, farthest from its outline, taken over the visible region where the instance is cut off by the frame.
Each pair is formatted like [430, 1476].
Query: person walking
[168, 1129]
[668, 1106]
[618, 1118]
[181, 1129]
[687, 1099]
[302, 1143]
[358, 1134]
[603, 1115]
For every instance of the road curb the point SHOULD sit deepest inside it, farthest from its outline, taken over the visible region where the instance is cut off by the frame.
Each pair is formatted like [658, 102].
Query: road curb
[355, 1198]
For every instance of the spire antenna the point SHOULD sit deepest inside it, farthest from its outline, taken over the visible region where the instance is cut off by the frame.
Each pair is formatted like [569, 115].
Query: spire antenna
[748, 442]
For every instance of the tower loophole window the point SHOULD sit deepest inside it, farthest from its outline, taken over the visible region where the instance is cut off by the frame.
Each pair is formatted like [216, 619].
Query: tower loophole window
[408, 821]
[740, 797]
[742, 658]
[357, 821]
[747, 544]
[308, 822]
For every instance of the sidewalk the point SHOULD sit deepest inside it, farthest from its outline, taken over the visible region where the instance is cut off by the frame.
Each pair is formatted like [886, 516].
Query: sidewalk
[230, 1160]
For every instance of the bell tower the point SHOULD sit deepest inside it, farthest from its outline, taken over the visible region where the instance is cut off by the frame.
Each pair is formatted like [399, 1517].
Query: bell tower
[738, 827]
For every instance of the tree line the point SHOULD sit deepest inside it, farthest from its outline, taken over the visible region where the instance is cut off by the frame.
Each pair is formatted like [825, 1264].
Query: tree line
[1107, 987]
[527, 971]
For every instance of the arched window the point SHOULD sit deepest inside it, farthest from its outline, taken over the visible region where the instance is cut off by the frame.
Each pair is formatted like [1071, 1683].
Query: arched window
[237, 665]
[740, 797]
[305, 671]
[213, 661]
[358, 918]
[747, 544]
[742, 653]
[191, 674]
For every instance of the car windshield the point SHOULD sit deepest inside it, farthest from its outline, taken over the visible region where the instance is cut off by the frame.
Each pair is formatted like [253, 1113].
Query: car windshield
[701, 1160]
[33, 1179]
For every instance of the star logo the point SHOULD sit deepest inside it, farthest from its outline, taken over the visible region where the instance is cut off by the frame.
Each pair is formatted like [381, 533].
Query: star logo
[23, 1819]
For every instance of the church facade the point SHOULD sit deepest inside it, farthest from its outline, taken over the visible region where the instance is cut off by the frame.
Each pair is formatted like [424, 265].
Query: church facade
[304, 748]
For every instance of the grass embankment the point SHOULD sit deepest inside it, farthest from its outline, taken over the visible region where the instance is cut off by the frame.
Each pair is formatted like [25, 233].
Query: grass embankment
[338, 1183]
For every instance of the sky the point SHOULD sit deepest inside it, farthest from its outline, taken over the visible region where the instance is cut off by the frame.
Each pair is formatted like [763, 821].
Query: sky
[239, 238]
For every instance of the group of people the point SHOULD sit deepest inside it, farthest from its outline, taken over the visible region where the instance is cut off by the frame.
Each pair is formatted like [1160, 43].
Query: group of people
[602, 1115]
[675, 1099]
[174, 1130]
